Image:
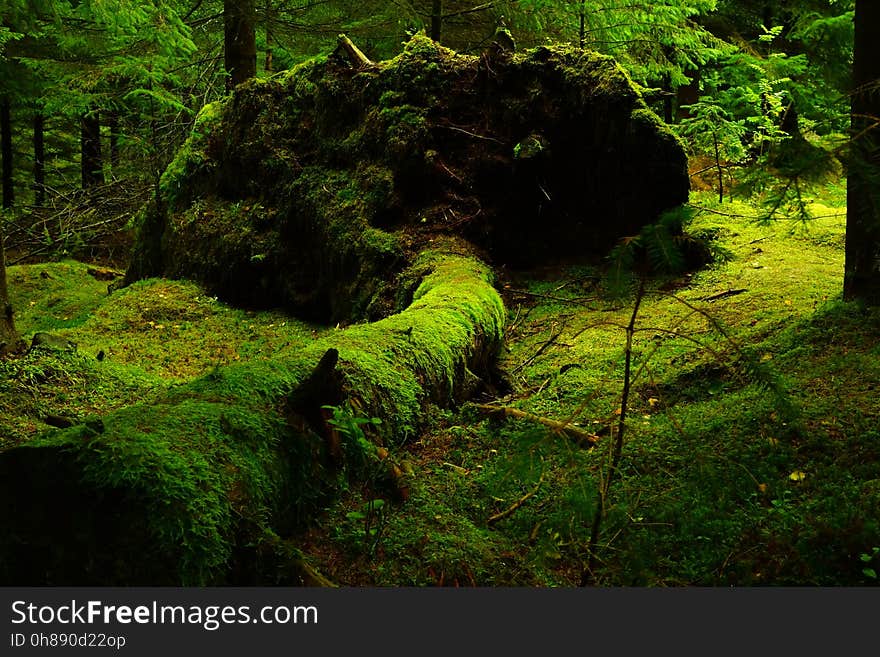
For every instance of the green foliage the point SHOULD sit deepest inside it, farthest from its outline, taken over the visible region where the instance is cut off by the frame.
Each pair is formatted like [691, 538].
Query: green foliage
[361, 453]
[868, 558]
[373, 515]
[658, 248]
[654, 41]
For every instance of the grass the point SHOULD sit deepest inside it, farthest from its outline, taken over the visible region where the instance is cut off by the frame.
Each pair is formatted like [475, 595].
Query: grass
[752, 452]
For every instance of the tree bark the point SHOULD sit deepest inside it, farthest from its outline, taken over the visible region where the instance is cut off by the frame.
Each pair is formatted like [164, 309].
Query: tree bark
[436, 20]
[688, 95]
[8, 334]
[582, 25]
[113, 125]
[91, 162]
[178, 492]
[269, 65]
[668, 108]
[239, 42]
[354, 54]
[862, 266]
[39, 159]
[6, 151]
[9, 337]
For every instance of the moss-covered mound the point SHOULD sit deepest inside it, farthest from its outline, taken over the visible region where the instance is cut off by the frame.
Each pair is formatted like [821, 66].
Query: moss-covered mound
[309, 190]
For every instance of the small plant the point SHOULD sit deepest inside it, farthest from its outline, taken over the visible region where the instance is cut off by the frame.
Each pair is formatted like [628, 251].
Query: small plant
[867, 558]
[373, 515]
[364, 457]
[360, 451]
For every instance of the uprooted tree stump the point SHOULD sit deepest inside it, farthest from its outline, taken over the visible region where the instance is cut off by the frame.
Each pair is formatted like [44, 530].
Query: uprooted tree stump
[312, 189]
[342, 191]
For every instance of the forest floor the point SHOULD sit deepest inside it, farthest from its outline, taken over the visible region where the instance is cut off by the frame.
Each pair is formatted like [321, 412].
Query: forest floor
[751, 453]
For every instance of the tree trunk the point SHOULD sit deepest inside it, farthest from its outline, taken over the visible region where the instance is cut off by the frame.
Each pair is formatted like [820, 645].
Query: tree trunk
[39, 159]
[269, 64]
[6, 151]
[8, 334]
[179, 491]
[582, 25]
[688, 95]
[91, 162]
[668, 108]
[9, 337]
[436, 20]
[239, 42]
[862, 268]
[113, 125]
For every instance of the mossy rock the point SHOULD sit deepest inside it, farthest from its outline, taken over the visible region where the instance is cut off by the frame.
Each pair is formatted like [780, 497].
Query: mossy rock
[312, 189]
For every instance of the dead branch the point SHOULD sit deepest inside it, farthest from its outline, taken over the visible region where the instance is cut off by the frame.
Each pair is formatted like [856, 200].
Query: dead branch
[357, 58]
[581, 437]
[469, 134]
[513, 507]
[550, 297]
[723, 295]
[541, 350]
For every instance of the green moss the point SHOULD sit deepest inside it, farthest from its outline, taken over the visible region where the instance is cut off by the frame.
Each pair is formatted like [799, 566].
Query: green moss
[53, 295]
[190, 472]
[455, 316]
[346, 153]
[645, 122]
[192, 158]
[175, 330]
[71, 384]
[147, 336]
[211, 465]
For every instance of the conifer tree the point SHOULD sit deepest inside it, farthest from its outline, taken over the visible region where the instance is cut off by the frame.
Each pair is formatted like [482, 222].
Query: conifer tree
[239, 43]
[6, 151]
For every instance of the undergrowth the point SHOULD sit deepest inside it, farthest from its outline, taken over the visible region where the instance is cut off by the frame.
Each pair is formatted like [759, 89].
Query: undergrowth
[752, 453]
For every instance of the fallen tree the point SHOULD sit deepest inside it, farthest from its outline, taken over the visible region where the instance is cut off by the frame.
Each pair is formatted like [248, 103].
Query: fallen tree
[342, 190]
[194, 488]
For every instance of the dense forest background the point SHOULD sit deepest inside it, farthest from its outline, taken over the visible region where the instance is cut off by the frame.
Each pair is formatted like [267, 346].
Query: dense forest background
[98, 93]
[723, 445]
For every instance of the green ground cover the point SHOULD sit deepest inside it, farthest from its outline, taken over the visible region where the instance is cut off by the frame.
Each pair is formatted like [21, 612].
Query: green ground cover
[751, 446]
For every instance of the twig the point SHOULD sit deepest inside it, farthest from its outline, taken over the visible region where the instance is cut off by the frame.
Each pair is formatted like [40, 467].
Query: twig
[604, 487]
[470, 134]
[732, 215]
[538, 295]
[723, 295]
[580, 436]
[512, 326]
[540, 351]
[513, 507]
[456, 468]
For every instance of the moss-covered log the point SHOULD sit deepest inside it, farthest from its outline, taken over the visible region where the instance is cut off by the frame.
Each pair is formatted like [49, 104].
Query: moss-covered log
[196, 488]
